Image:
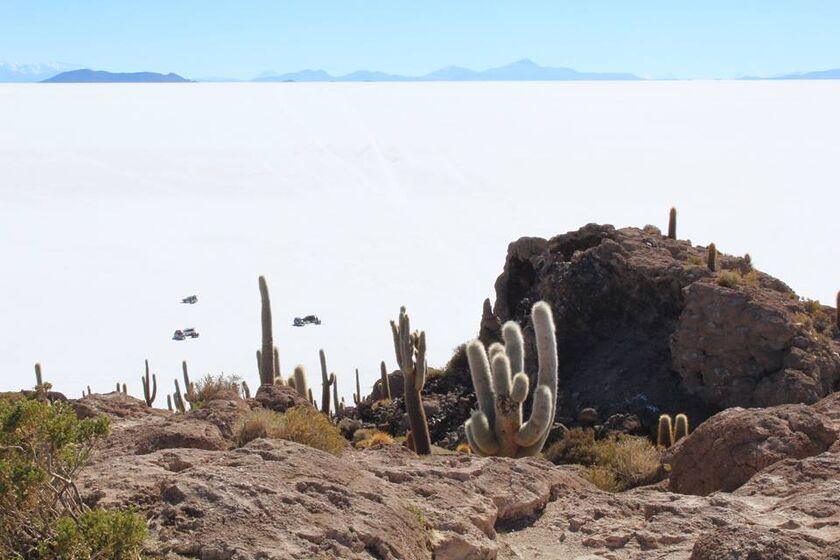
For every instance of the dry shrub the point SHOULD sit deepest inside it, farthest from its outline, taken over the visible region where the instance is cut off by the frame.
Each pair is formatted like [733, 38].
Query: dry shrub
[616, 463]
[730, 279]
[301, 424]
[214, 388]
[377, 437]
[464, 447]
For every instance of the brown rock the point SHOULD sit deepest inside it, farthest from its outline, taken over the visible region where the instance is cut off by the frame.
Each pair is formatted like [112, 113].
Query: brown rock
[279, 398]
[729, 448]
[739, 543]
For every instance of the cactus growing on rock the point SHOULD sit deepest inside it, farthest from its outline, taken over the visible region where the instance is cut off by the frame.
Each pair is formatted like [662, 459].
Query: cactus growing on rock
[665, 432]
[124, 389]
[386, 383]
[711, 258]
[357, 396]
[410, 349]
[496, 428]
[672, 223]
[169, 402]
[149, 386]
[300, 384]
[681, 428]
[326, 381]
[267, 359]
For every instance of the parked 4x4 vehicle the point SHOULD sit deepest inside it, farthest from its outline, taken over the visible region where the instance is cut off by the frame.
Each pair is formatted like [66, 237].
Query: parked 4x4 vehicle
[308, 320]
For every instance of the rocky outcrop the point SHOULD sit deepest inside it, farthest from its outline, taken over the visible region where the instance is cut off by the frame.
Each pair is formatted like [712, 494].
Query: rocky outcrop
[279, 398]
[643, 326]
[732, 446]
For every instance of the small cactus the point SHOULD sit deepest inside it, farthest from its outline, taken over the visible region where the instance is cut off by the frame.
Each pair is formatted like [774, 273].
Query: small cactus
[410, 349]
[179, 401]
[246, 392]
[336, 404]
[496, 428]
[124, 389]
[190, 396]
[149, 387]
[267, 361]
[326, 381]
[665, 432]
[386, 383]
[311, 399]
[357, 396]
[672, 223]
[681, 429]
[89, 391]
[711, 258]
[39, 379]
[837, 310]
[300, 383]
[169, 402]
[118, 387]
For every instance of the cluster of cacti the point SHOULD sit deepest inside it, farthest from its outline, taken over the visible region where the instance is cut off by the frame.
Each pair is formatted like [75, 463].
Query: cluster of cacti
[672, 223]
[326, 381]
[410, 349]
[711, 258]
[671, 431]
[266, 358]
[501, 386]
[149, 386]
[386, 383]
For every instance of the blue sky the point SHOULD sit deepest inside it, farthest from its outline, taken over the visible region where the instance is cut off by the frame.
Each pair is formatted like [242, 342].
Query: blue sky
[206, 38]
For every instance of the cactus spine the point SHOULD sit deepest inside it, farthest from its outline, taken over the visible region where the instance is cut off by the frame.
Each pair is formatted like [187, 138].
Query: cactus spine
[711, 258]
[496, 428]
[267, 361]
[386, 383]
[149, 386]
[300, 384]
[246, 392]
[665, 432]
[672, 223]
[410, 349]
[357, 396]
[326, 381]
[681, 429]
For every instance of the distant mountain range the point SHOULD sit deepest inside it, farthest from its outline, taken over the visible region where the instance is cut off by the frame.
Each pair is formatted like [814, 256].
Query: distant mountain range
[522, 70]
[833, 74]
[11, 72]
[96, 76]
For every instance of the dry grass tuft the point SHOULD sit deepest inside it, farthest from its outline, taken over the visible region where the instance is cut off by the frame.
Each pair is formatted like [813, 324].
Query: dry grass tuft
[464, 447]
[615, 463]
[375, 437]
[301, 424]
[216, 387]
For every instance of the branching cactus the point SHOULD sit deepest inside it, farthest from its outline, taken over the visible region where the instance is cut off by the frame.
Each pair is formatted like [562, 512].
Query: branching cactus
[149, 386]
[267, 357]
[672, 224]
[665, 432]
[501, 386]
[386, 383]
[300, 384]
[326, 381]
[410, 348]
[681, 429]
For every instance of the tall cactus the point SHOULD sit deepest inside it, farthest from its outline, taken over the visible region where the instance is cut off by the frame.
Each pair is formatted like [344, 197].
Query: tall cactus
[278, 377]
[672, 223]
[711, 257]
[300, 383]
[267, 361]
[410, 349]
[326, 381]
[149, 386]
[496, 428]
[681, 429]
[357, 396]
[189, 386]
[386, 382]
[665, 432]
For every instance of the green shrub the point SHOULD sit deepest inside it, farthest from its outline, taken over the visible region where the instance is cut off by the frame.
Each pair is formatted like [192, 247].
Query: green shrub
[615, 463]
[115, 535]
[301, 424]
[43, 447]
[819, 319]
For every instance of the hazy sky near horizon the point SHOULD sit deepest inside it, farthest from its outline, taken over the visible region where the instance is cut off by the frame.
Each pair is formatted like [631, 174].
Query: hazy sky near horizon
[211, 38]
